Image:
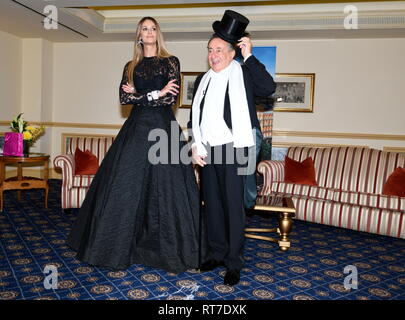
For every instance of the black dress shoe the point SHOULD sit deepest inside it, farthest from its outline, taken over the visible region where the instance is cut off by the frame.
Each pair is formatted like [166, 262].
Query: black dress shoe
[210, 265]
[232, 277]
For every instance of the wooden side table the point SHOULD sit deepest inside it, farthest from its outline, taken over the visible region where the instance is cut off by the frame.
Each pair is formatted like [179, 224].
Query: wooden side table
[286, 210]
[20, 182]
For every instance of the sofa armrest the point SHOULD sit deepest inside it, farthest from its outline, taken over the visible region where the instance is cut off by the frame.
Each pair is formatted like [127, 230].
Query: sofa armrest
[67, 163]
[272, 171]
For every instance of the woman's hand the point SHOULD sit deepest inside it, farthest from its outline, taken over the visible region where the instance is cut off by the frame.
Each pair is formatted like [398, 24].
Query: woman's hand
[171, 87]
[128, 88]
[196, 158]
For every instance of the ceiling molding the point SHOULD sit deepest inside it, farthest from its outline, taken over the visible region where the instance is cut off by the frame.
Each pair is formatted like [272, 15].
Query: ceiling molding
[89, 16]
[192, 21]
[262, 19]
[22, 5]
[227, 4]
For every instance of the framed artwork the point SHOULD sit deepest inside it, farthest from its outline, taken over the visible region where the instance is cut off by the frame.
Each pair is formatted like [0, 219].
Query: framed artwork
[267, 56]
[295, 92]
[187, 88]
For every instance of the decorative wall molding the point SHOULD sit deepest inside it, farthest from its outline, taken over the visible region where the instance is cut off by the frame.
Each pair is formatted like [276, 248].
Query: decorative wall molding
[394, 149]
[339, 135]
[284, 133]
[313, 145]
[70, 125]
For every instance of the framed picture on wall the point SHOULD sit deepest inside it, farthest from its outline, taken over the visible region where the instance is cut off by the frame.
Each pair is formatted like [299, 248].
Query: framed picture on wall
[186, 88]
[267, 56]
[294, 92]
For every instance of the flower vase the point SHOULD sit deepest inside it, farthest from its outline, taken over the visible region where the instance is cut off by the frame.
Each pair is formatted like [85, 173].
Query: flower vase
[26, 148]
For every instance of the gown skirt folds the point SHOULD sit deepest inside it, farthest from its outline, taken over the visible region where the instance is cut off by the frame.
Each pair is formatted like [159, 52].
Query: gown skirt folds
[137, 212]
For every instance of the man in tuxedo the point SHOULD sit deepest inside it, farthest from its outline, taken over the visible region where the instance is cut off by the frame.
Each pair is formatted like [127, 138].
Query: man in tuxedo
[223, 122]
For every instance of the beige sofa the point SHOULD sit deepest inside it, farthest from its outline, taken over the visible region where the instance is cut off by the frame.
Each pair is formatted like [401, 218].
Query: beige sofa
[349, 191]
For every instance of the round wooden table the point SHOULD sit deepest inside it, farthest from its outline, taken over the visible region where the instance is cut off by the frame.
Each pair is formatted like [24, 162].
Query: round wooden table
[20, 182]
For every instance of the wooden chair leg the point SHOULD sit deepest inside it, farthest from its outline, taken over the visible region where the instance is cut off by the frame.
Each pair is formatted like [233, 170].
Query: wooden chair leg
[46, 197]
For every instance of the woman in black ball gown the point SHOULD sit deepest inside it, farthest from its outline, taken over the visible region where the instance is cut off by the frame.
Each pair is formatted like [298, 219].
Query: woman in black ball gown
[135, 211]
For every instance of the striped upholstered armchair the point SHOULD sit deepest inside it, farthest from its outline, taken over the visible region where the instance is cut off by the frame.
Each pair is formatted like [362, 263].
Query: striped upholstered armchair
[349, 193]
[74, 187]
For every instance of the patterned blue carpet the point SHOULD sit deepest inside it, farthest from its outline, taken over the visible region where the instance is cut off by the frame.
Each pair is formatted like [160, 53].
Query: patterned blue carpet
[33, 237]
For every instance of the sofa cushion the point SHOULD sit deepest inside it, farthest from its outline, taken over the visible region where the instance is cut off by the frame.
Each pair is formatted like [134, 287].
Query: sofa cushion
[300, 172]
[98, 145]
[369, 200]
[85, 162]
[395, 184]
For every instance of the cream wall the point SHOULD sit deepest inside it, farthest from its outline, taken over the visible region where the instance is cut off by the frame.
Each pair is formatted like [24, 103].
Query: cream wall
[358, 87]
[10, 75]
[359, 83]
[26, 84]
[86, 81]
[37, 87]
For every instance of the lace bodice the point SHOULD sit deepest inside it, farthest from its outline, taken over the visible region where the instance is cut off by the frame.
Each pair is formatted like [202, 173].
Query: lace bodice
[151, 74]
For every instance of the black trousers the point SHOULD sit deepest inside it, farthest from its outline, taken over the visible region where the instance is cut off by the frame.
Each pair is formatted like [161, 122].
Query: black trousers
[223, 194]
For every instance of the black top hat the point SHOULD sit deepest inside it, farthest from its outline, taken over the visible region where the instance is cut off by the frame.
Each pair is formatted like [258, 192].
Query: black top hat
[232, 26]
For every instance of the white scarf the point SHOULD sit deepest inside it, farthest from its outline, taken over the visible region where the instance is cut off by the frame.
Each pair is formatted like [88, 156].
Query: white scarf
[241, 125]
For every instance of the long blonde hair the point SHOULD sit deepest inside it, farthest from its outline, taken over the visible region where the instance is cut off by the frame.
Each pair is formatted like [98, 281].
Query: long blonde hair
[138, 48]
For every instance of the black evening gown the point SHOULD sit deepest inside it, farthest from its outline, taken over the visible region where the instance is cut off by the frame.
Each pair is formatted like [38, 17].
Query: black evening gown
[137, 212]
